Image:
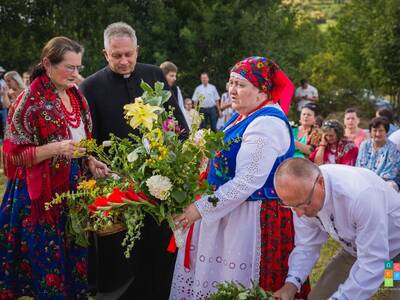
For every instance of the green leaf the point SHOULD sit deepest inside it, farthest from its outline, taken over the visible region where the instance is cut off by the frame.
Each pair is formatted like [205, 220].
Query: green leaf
[158, 87]
[179, 196]
[146, 87]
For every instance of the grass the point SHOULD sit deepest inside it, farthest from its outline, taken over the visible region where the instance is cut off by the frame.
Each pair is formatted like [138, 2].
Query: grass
[328, 250]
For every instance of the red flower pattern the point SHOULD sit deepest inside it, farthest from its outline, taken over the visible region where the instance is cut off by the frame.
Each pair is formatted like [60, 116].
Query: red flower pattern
[53, 280]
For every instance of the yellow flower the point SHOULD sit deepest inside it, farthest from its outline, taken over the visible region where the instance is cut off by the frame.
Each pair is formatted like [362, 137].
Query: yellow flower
[87, 184]
[155, 137]
[139, 113]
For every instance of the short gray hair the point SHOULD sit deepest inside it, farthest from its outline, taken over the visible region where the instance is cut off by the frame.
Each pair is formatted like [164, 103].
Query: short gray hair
[14, 75]
[118, 29]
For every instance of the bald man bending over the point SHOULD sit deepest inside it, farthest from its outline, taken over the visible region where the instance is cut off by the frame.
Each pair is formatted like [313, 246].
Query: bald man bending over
[357, 209]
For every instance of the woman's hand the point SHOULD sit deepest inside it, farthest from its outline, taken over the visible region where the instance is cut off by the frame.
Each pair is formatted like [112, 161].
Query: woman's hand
[97, 168]
[68, 148]
[190, 215]
[323, 141]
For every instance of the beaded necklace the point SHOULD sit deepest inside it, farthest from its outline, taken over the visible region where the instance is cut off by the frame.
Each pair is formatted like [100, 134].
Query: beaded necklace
[72, 118]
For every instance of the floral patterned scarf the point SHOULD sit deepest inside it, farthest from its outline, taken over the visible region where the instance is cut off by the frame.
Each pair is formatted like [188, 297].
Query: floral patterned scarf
[36, 119]
[265, 75]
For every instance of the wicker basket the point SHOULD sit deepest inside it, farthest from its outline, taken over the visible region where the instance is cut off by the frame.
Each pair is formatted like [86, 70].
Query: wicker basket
[115, 228]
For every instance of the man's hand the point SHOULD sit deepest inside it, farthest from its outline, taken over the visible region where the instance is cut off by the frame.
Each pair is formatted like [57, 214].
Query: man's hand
[287, 292]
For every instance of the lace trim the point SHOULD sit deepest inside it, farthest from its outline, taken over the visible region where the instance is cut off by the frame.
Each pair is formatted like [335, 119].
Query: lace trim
[233, 190]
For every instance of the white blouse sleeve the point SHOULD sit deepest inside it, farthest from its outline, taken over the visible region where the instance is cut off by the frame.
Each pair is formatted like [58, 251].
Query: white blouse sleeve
[264, 140]
[309, 238]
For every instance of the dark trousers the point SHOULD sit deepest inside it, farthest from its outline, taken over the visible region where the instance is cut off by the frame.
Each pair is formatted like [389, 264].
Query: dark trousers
[150, 264]
[153, 265]
[210, 118]
[109, 269]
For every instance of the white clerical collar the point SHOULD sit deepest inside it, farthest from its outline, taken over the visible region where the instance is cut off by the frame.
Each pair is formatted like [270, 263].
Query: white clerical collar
[127, 75]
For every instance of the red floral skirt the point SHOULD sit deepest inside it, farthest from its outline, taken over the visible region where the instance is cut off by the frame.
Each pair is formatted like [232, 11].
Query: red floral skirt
[277, 241]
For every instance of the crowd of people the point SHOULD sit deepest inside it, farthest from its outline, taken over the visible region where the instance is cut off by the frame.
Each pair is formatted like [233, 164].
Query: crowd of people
[274, 212]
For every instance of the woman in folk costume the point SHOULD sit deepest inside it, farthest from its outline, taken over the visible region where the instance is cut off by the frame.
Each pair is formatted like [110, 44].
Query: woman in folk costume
[247, 236]
[41, 159]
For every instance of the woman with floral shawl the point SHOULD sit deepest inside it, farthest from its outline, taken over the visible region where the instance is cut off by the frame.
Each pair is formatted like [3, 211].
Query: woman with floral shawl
[246, 235]
[42, 158]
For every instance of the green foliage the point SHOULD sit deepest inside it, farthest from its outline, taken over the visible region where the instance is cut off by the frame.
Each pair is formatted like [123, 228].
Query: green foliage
[361, 54]
[196, 35]
[237, 291]
[339, 85]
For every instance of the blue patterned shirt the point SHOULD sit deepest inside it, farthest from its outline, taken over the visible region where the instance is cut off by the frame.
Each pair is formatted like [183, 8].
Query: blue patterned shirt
[384, 161]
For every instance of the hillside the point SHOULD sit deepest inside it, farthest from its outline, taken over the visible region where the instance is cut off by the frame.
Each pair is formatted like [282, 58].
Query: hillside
[323, 12]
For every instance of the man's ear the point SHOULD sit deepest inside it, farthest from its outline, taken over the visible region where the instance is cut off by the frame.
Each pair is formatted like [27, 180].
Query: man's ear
[104, 51]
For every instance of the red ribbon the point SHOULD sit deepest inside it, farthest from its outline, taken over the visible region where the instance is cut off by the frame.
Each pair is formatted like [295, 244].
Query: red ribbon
[186, 261]
[172, 243]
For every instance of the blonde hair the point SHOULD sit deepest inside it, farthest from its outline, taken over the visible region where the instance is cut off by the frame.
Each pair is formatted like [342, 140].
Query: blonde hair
[17, 78]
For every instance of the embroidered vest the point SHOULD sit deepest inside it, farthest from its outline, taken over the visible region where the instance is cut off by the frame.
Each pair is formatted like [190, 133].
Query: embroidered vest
[223, 166]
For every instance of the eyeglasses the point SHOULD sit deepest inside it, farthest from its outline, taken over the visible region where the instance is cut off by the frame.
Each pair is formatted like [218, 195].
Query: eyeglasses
[71, 68]
[306, 202]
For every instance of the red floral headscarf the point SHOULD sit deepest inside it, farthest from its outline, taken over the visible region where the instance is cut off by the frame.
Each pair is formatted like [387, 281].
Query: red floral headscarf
[265, 75]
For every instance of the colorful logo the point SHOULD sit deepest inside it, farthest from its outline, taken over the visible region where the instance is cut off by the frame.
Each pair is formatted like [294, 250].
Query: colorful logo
[391, 273]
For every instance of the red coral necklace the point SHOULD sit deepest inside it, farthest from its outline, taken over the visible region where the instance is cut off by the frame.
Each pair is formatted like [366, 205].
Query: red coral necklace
[73, 118]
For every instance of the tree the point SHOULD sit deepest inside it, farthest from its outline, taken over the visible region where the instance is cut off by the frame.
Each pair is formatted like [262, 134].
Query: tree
[196, 35]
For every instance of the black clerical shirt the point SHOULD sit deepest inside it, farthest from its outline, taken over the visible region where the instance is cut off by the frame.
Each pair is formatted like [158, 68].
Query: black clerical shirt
[108, 92]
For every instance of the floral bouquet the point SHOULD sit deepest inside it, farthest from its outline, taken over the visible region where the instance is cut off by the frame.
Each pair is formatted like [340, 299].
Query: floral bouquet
[155, 172]
[236, 291]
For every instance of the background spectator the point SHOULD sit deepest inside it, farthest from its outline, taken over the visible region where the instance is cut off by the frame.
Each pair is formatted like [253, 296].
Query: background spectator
[305, 93]
[306, 136]
[226, 109]
[319, 120]
[26, 76]
[192, 114]
[388, 114]
[352, 131]
[380, 154]
[3, 116]
[15, 85]
[207, 96]
[170, 70]
[334, 148]
[395, 138]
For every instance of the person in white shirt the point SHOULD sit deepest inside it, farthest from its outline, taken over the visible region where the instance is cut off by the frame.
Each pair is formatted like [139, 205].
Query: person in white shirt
[305, 93]
[357, 209]
[395, 138]
[207, 96]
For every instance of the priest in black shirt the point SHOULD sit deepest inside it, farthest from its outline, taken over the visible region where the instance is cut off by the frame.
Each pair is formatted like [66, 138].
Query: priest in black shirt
[107, 91]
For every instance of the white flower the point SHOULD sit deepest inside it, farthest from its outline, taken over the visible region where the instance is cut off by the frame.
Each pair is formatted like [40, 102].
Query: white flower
[199, 137]
[146, 145]
[107, 144]
[115, 176]
[132, 156]
[159, 186]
